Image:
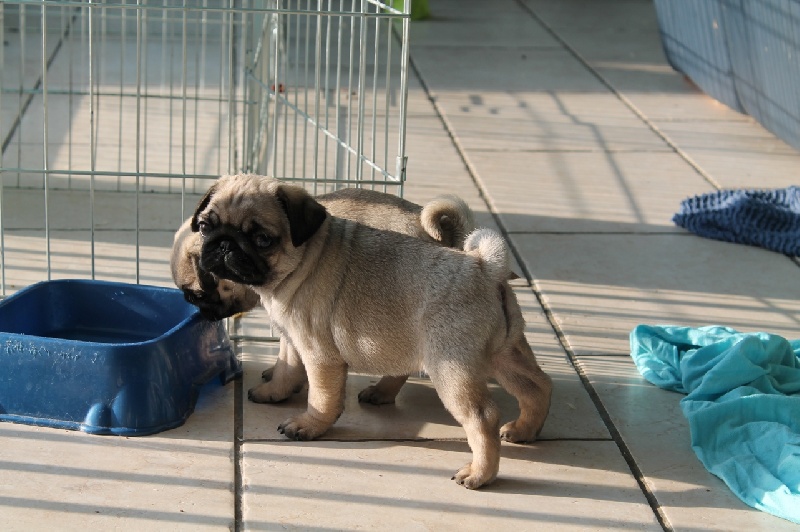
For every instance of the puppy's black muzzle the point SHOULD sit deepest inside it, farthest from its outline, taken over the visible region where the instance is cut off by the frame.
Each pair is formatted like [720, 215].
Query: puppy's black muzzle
[231, 256]
[209, 304]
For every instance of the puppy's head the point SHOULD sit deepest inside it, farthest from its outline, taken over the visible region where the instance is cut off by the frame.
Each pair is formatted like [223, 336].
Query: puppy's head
[216, 298]
[253, 227]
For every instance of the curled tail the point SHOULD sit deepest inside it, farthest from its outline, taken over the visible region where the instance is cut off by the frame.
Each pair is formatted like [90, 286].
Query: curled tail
[448, 219]
[491, 249]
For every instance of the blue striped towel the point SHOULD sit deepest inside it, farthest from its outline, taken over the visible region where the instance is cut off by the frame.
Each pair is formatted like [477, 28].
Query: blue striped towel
[765, 218]
[742, 405]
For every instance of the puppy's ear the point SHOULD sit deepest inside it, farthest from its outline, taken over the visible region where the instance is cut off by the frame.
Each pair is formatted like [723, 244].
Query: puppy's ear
[304, 213]
[201, 206]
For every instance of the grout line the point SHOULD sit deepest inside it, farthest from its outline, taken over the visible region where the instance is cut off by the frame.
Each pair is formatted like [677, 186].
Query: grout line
[86, 229]
[609, 150]
[666, 232]
[356, 440]
[467, 46]
[421, 440]
[616, 436]
[238, 430]
[27, 103]
[483, 193]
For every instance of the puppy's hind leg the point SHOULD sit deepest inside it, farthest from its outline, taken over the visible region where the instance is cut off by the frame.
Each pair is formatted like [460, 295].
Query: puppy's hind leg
[285, 378]
[516, 370]
[468, 400]
[384, 392]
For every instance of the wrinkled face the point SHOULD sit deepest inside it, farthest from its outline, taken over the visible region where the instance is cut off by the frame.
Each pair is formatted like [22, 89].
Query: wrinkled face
[238, 241]
[239, 252]
[251, 227]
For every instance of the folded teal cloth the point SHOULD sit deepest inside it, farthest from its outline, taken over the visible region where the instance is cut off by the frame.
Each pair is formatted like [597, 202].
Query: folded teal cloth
[743, 405]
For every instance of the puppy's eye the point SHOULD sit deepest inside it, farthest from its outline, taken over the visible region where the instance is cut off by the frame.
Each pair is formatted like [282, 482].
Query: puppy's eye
[203, 227]
[263, 241]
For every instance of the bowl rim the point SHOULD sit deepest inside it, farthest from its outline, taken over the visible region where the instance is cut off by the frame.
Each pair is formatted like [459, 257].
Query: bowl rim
[194, 316]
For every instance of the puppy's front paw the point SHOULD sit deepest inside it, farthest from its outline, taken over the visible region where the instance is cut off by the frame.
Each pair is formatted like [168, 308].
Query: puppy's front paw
[269, 392]
[303, 428]
[375, 396]
[266, 375]
[471, 478]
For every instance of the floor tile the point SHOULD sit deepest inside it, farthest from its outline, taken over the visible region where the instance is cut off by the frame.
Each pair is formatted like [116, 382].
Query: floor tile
[587, 192]
[631, 58]
[657, 434]
[508, 121]
[661, 94]
[181, 479]
[403, 485]
[727, 138]
[159, 149]
[71, 210]
[628, 29]
[467, 24]
[659, 279]
[23, 50]
[506, 69]
[434, 165]
[738, 154]
[70, 252]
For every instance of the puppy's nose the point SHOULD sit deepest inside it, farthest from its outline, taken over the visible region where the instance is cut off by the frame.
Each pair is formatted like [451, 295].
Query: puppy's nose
[225, 246]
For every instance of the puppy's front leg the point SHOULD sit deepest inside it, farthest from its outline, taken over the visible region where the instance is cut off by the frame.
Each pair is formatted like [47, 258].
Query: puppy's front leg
[285, 378]
[326, 386]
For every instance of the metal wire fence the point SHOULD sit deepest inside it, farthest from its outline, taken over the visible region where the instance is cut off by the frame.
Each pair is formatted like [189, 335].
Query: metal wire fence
[115, 115]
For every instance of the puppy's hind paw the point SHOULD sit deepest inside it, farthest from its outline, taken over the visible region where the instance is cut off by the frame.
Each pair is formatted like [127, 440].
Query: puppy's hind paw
[289, 430]
[469, 477]
[267, 393]
[373, 395]
[515, 432]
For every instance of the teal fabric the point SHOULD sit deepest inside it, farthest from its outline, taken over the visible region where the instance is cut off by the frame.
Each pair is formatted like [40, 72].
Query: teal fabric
[742, 404]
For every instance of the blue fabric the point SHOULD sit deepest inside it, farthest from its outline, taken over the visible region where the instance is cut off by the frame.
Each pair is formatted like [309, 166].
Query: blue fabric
[765, 218]
[742, 404]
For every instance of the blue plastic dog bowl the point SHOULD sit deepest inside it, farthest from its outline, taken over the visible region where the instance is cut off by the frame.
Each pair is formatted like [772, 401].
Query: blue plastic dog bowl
[106, 358]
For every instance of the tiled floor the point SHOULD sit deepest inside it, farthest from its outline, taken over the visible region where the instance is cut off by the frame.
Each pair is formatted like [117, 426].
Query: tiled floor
[561, 124]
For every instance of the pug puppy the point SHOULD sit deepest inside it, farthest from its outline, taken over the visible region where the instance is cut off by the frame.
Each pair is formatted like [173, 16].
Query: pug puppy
[350, 297]
[445, 220]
